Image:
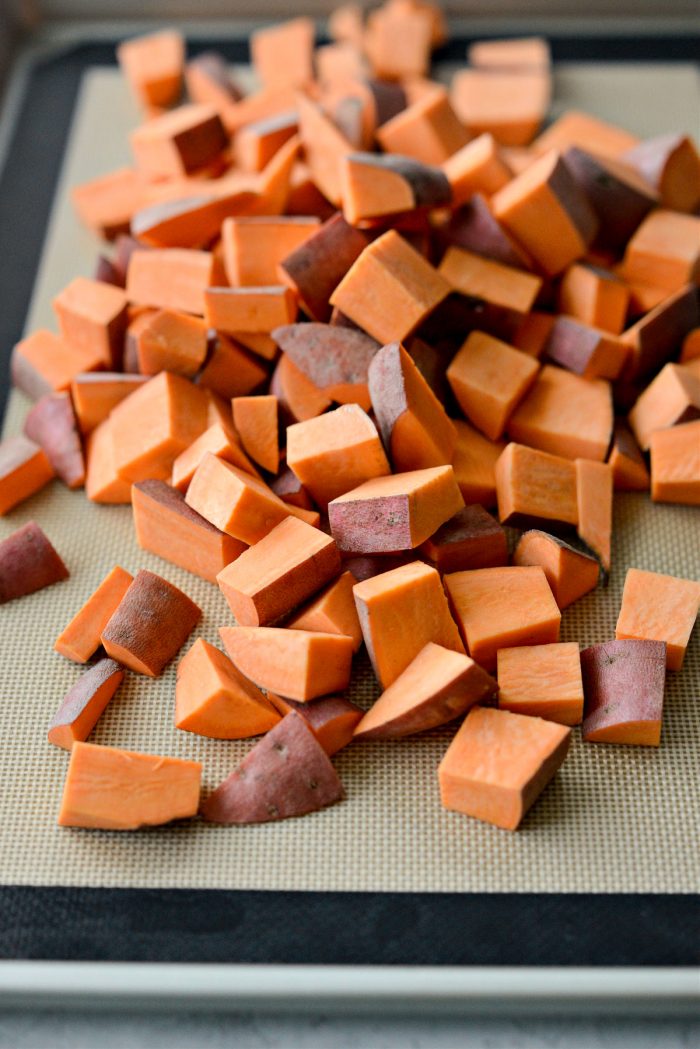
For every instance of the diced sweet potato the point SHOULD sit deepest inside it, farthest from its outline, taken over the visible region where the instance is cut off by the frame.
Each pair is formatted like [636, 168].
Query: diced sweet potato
[208, 81]
[478, 167]
[543, 681]
[171, 278]
[28, 562]
[317, 266]
[594, 496]
[81, 638]
[230, 371]
[585, 350]
[534, 486]
[624, 687]
[288, 773]
[672, 397]
[664, 251]
[298, 664]
[332, 612]
[655, 338]
[516, 53]
[594, 297]
[112, 789]
[474, 228]
[53, 425]
[671, 164]
[220, 441]
[630, 473]
[658, 607]
[94, 394]
[24, 470]
[180, 142]
[256, 144]
[470, 539]
[574, 128]
[427, 130]
[509, 103]
[85, 703]
[398, 42]
[336, 360]
[298, 397]
[44, 362]
[173, 342]
[107, 203]
[332, 719]
[153, 66]
[376, 187]
[254, 246]
[675, 464]
[92, 317]
[474, 464]
[282, 54]
[259, 309]
[570, 573]
[505, 289]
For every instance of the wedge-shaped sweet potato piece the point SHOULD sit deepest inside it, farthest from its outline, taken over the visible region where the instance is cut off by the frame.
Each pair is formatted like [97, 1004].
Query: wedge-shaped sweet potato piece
[470, 539]
[287, 566]
[624, 686]
[672, 397]
[230, 370]
[150, 624]
[84, 703]
[24, 470]
[219, 441]
[173, 342]
[400, 611]
[489, 378]
[664, 251]
[94, 394]
[534, 486]
[213, 699]
[298, 664]
[28, 562]
[332, 611]
[414, 425]
[298, 397]
[336, 360]
[675, 464]
[655, 338]
[658, 607]
[153, 66]
[671, 164]
[51, 423]
[594, 498]
[254, 246]
[543, 681]
[44, 362]
[570, 573]
[171, 278]
[316, 267]
[332, 719]
[478, 167]
[193, 218]
[595, 297]
[111, 789]
[180, 142]
[257, 423]
[92, 316]
[376, 186]
[399, 512]
[166, 526]
[81, 638]
[474, 464]
[504, 288]
[630, 473]
[288, 773]
[502, 608]
[585, 350]
[499, 763]
[436, 687]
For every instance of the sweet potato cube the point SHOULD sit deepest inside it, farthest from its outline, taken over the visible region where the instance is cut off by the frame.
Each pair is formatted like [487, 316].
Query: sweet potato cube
[543, 681]
[332, 611]
[585, 350]
[390, 289]
[103, 483]
[180, 142]
[655, 338]
[112, 789]
[297, 664]
[509, 104]
[532, 333]
[220, 441]
[84, 703]
[298, 397]
[230, 370]
[257, 143]
[208, 81]
[474, 464]
[94, 394]
[671, 164]
[153, 66]
[288, 773]
[658, 607]
[315, 268]
[594, 497]
[398, 512]
[81, 638]
[413, 423]
[535, 486]
[517, 53]
[630, 473]
[173, 342]
[503, 287]
[150, 625]
[193, 218]
[44, 362]
[624, 687]
[28, 562]
[170, 278]
[664, 251]
[92, 316]
[249, 309]
[436, 687]
[574, 128]
[470, 539]
[332, 719]
[478, 167]
[398, 42]
[672, 397]
[675, 464]
[502, 608]
[167, 527]
[287, 566]
[427, 130]
[257, 422]
[254, 246]
[235, 501]
[24, 470]
[489, 378]
[282, 54]
[595, 297]
[334, 359]
[375, 187]
[400, 611]
[106, 204]
[570, 573]
[499, 763]
[213, 699]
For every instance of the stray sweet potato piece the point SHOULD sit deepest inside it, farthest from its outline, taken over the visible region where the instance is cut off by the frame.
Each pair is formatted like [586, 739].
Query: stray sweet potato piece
[335, 452]
[315, 268]
[230, 370]
[213, 699]
[672, 397]
[413, 423]
[659, 607]
[546, 211]
[172, 342]
[502, 287]
[150, 625]
[44, 362]
[664, 251]
[297, 664]
[624, 686]
[594, 496]
[256, 421]
[288, 773]
[112, 789]
[298, 397]
[170, 278]
[499, 763]
[153, 66]
[106, 204]
[375, 187]
[335, 359]
[570, 573]
[671, 164]
[630, 473]
[85, 703]
[574, 128]
[436, 687]
[502, 608]
[474, 464]
[253, 246]
[399, 512]
[166, 526]
[332, 719]
[400, 611]
[180, 142]
[478, 167]
[509, 104]
[287, 566]
[488, 377]
[28, 562]
[220, 441]
[542, 681]
[24, 470]
[390, 289]
[94, 394]
[595, 297]
[470, 539]
[332, 611]
[103, 484]
[81, 638]
[534, 486]
[92, 316]
[585, 350]
[655, 338]
[675, 464]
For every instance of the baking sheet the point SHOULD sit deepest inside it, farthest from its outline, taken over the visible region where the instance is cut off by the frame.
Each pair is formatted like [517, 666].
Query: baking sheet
[615, 819]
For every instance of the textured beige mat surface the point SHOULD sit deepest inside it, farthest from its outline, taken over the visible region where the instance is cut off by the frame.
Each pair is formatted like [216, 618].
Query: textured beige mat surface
[615, 819]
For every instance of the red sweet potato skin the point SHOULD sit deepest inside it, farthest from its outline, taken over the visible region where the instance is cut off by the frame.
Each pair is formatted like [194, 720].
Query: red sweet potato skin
[85, 688]
[320, 712]
[320, 263]
[286, 774]
[329, 355]
[52, 424]
[623, 681]
[474, 228]
[372, 527]
[28, 562]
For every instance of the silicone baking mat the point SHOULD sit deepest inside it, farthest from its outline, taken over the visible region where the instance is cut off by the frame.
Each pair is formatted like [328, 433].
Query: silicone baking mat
[615, 819]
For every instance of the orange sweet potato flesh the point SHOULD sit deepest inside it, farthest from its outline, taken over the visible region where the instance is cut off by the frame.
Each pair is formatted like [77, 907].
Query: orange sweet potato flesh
[332, 611]
[153, 65]
[166, 526]
[594, 488]
[672, 397]
[257, 421]
[81, 638]
[28, 562]
[94, 394]
[230, 370]
[470, 539]
[570, 573]
[103, 483]
[213, 699]
[316, 267]
[253, 247]
[44, 362]
[499, 763]
[24, 470]
[297, 664]
[400, 611]
[488, 377]
[542, 681]
[106, 204]
[180, 142]
[150, 625]
[92, 316]
[534, 486]
[85, 703]
[502, 608]
[630, 473]
[658, 607]
[170, 278]
[474, 464]
[111, 789]
[174, 342]
[287, 566]
[220, 441]
[332, 719]
[334, 359]
[509, 289]
[675, 464]
[436, 687]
